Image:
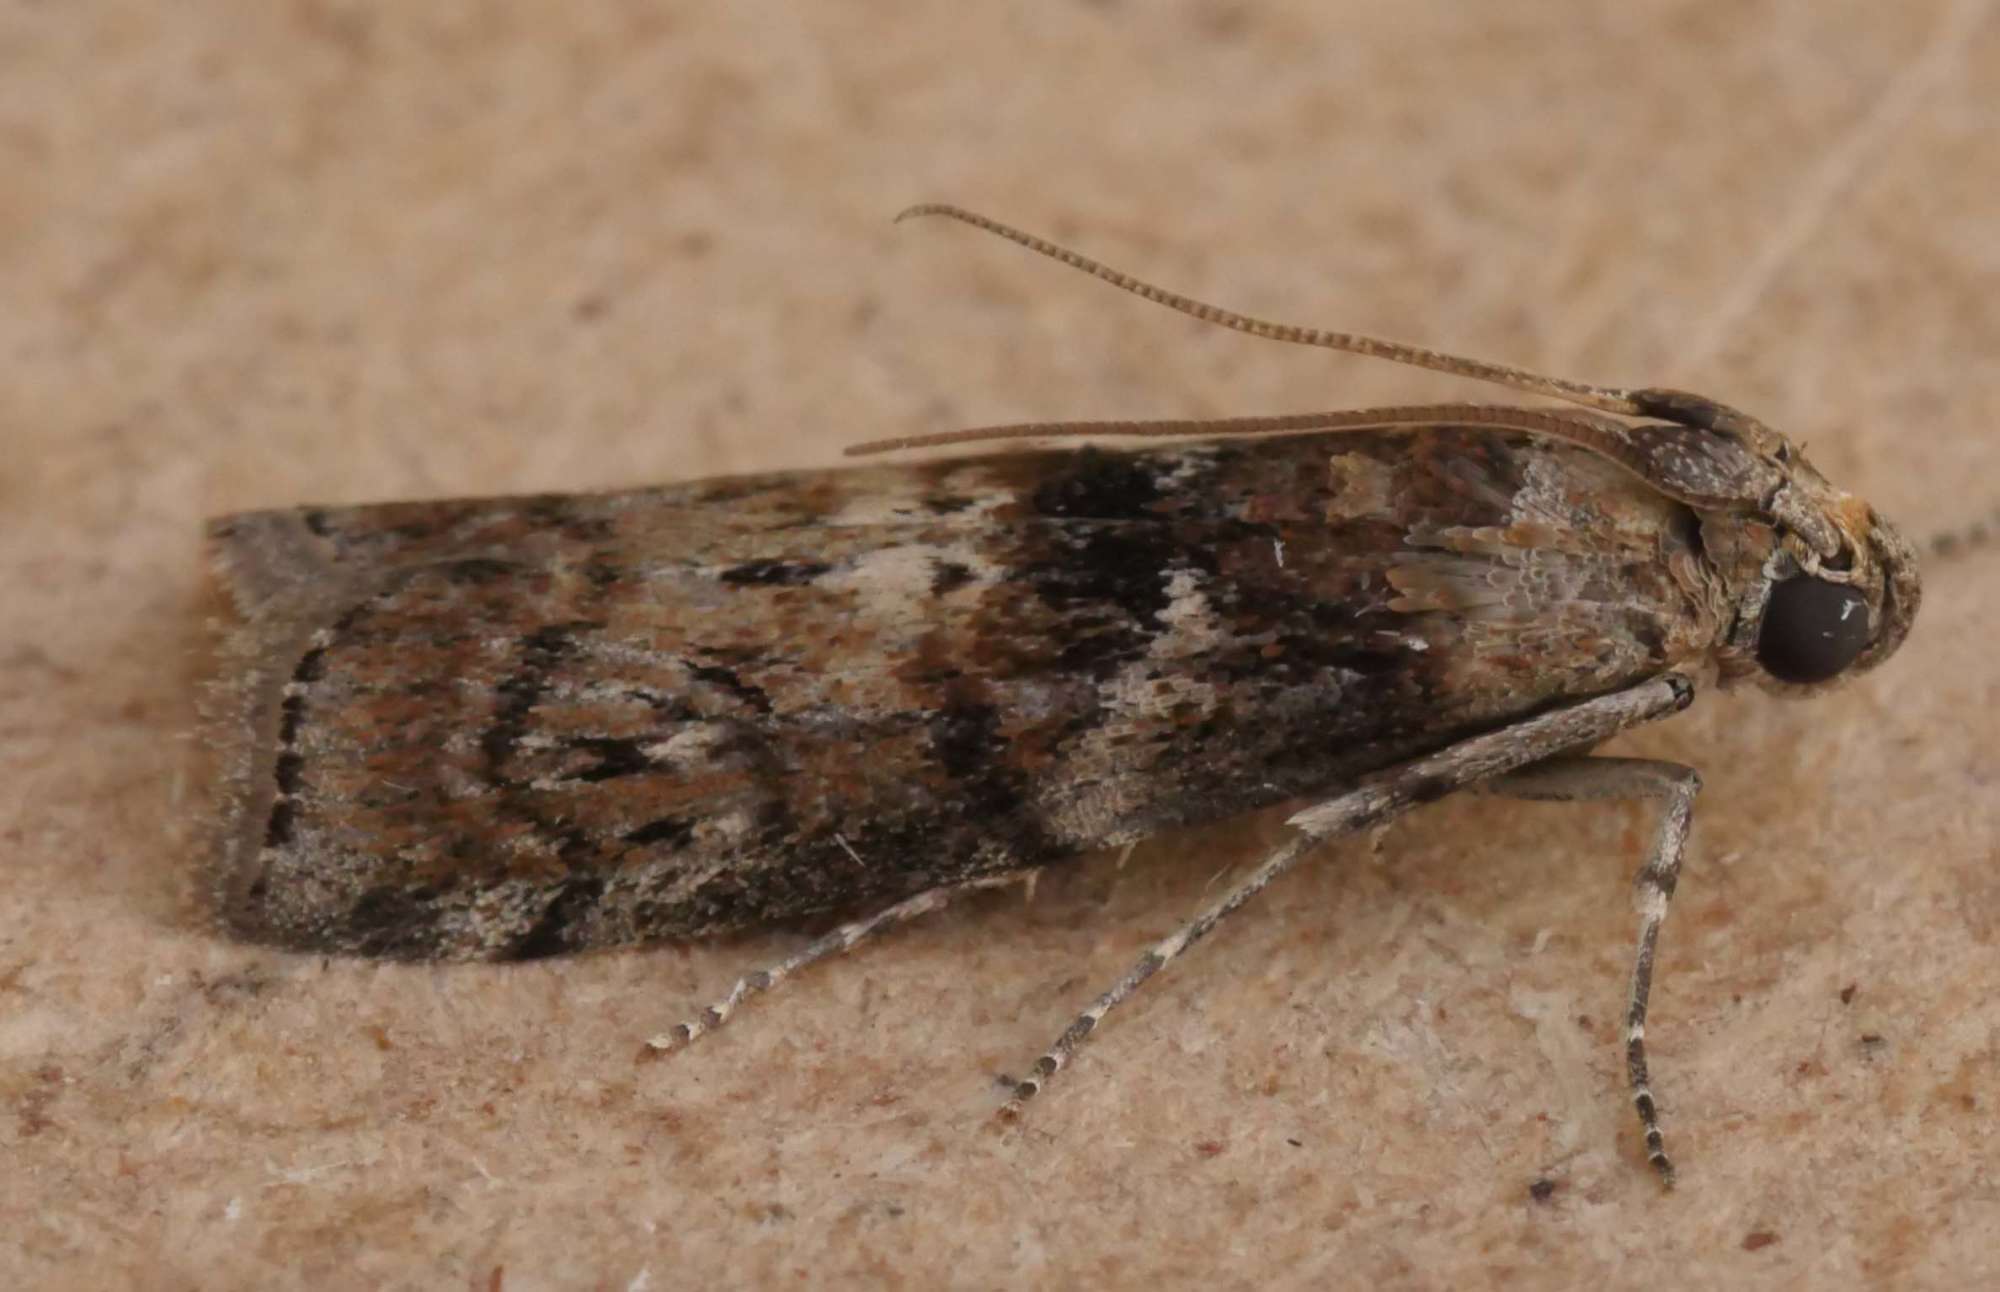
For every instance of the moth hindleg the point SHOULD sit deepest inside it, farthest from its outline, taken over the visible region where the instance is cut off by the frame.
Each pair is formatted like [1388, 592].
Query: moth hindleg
[844, 938]
[1377, 799]
[1674, 786]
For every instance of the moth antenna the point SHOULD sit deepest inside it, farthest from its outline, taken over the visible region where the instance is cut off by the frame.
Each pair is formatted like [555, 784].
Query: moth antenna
[1601, 434]
[1953, 543]
[1161, 428]
[1609, 399]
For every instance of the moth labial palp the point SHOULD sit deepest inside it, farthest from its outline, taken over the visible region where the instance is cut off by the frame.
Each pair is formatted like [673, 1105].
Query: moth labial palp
[506, 728]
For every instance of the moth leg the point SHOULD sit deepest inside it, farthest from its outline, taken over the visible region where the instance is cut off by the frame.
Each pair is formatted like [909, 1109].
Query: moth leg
[844, 938]
[1152, 962]
[1674, 786]
[1377, 799]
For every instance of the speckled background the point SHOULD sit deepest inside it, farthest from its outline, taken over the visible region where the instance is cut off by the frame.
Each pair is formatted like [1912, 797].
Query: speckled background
[255, 254]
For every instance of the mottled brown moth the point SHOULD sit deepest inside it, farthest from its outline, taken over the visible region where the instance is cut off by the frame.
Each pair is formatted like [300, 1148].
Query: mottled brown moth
[503, 728]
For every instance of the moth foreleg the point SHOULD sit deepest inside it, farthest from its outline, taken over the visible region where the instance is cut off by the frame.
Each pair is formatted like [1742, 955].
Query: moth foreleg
[1382, 797]
[1674, 786]
[844, 938]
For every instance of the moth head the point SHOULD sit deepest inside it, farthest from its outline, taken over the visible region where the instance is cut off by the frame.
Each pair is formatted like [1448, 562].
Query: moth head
[1823, 587]
[1839, 588]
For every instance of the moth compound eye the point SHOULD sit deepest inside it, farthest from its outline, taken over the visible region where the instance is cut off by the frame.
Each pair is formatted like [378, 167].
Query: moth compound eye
[1812, 630]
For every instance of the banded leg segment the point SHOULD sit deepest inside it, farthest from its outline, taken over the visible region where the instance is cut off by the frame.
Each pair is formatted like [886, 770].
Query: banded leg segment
[844, 938]
[1380, 798]
[1162, 953]
[1674, 786]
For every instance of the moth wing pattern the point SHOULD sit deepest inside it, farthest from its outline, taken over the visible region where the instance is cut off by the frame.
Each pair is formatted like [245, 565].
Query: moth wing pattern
[505, 728]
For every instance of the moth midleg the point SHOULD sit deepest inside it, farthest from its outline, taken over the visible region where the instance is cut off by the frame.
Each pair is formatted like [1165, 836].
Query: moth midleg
[844, 938]
[1673, 786]
[1379, 798]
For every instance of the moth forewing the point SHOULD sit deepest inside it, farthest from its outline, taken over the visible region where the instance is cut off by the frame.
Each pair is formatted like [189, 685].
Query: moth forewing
[652, 700]
[511, 727]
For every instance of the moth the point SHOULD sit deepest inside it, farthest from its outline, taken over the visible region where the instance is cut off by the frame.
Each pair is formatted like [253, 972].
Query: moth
[503, 728]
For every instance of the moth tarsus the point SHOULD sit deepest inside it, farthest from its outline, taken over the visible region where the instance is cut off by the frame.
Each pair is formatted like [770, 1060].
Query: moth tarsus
[505, 728]
[842, 939]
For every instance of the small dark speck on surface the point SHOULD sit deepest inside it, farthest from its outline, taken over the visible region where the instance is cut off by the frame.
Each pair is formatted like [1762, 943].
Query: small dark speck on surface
[1542, 1190]
[1758, 1239]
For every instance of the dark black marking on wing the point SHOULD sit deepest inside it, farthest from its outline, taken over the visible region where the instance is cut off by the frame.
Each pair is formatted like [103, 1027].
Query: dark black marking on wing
[555, 932]
[774, 573]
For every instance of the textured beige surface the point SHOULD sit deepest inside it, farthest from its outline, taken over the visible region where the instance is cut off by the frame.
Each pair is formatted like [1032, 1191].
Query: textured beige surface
[254, 254]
